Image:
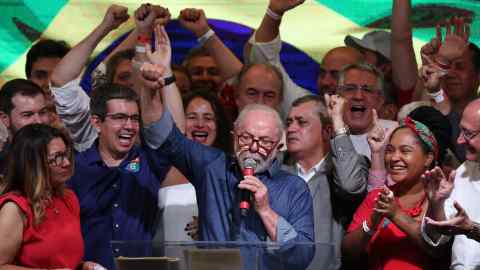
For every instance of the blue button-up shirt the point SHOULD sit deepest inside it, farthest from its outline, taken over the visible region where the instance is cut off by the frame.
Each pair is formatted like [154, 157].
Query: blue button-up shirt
[216, 176]
[117, 203]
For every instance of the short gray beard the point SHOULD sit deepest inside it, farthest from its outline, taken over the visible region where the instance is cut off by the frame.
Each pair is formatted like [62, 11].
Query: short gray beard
[262, 164]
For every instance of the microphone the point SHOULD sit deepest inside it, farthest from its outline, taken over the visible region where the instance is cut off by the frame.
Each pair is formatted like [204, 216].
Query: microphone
[249, 166]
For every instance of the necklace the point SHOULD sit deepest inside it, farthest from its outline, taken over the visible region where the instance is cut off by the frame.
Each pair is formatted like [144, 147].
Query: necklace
[414, 211]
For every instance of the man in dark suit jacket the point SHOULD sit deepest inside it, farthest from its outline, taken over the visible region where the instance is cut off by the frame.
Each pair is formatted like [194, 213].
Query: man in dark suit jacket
[335, 173]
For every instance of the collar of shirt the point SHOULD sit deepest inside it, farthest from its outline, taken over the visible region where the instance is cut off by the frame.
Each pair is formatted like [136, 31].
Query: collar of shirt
[307, 175]
[93, 155]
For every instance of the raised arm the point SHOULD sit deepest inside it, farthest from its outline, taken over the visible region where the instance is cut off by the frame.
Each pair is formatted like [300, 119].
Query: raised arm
[269, 28]
[404, 64]
[377, 139]
[195, 21]
[439, 56]
[72, 103]
[264, 47]
[350, 168]
[162, 57]
[73, 63]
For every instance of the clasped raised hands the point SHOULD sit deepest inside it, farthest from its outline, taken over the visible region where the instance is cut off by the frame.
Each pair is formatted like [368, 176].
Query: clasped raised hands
[146, 16]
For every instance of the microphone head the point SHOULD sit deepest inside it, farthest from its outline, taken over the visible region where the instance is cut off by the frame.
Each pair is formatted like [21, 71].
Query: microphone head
[250, 163]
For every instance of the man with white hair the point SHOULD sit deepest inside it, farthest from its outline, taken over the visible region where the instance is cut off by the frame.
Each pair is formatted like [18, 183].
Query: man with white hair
[283, 211]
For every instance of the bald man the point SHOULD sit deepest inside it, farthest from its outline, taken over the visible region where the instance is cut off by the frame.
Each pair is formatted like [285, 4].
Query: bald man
[453, 208]
[264, 47]
[332, 63]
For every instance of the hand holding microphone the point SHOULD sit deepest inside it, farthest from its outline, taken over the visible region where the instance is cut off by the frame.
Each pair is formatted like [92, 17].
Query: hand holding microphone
[249, 186]
[249, 166]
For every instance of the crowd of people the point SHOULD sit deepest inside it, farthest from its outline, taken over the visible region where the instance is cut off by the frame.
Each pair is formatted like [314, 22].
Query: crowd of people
[381, 163]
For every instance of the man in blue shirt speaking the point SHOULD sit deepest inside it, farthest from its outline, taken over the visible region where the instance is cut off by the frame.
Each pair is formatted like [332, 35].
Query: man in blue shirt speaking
[283, 211]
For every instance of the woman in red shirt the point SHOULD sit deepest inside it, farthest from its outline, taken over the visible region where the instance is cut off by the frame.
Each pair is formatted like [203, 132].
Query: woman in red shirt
[386, 224]
[39, 217]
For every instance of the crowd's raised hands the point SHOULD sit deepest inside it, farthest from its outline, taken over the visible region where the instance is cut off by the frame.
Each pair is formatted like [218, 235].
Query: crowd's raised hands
[378, 136]
[335, 107]
[115, 16]
[442, 52]
[162, 55]
[146, 16]
[194, 20]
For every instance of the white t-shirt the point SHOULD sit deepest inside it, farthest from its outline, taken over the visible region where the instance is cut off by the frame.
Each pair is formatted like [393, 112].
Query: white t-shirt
[178, 205]
[360, 141]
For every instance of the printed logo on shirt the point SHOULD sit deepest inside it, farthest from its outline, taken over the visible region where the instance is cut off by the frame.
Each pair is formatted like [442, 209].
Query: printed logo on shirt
[134, 165]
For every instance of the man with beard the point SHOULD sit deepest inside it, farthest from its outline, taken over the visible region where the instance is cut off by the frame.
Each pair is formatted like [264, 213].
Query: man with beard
[453, 200]
[282, 203]
[22, 102]
[115, 181]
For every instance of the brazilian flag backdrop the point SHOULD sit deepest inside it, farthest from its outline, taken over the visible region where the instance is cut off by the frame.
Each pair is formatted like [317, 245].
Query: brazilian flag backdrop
[308, 31]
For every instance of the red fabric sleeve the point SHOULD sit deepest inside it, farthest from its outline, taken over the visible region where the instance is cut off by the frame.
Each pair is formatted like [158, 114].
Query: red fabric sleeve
[364, 210]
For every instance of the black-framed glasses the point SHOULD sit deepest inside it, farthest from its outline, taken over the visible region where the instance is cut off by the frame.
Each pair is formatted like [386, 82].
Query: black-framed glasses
[248, 139]
[59, 158]
[353, 87]
[122, 118]
[468, 135]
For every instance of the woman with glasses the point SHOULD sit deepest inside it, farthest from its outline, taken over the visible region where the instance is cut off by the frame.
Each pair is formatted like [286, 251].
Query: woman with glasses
[385, 227]
[204, 123]
[39, 216]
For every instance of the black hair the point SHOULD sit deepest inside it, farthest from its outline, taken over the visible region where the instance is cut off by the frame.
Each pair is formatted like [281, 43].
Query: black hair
[17, 87]
[47, 48]
[108, 91]
[223, 140]
[115, 60]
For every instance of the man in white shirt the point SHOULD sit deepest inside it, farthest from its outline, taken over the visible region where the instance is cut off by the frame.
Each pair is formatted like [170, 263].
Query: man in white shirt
[453, 208]
[336, 175]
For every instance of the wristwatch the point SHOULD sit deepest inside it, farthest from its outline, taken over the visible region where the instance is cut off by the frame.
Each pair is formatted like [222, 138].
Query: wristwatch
[342, 131]
[169, 80]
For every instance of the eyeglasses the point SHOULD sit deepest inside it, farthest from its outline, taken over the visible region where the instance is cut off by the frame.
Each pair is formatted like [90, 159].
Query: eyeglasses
[248, 139]
[353, 87]
[121, 118]
[468, 135]
[59, 158]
